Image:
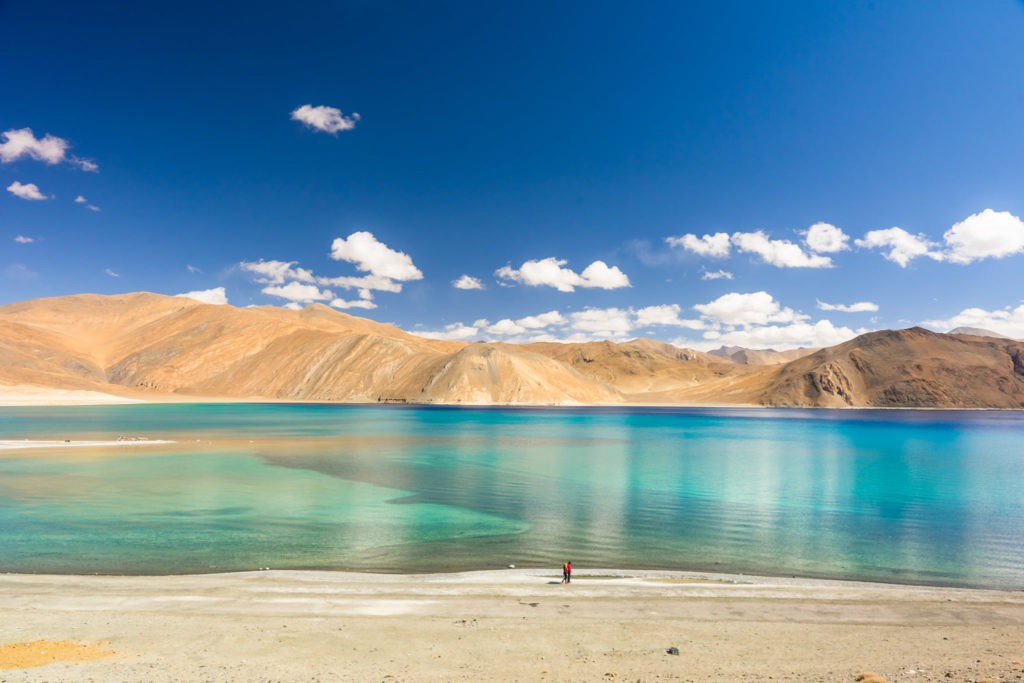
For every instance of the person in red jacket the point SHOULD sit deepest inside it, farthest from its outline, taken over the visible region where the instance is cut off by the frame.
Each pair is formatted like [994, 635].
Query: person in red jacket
[568, 572]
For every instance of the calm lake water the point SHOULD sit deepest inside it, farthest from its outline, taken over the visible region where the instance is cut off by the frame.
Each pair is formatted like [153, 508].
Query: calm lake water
[903, 496]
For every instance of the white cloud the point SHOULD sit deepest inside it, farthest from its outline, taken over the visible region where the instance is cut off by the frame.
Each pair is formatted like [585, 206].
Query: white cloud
[666, 314]
[779, 253]
[1006, 321]
[217, 296]
[989, 234]
[82, 200]
[467, 282]
[778, 337]
[757, 308]
[505, 328]
[859, 307]
[192, 269]
[276, 272]
[602, 322]
[715, 246]
[903, 247]
[325, 119]
[22, 239]
[826, 238]
[549, 319]
[600, 275]
[370, 255]
[365, 284]
[298, 292]
[288, 280]
[22, 143]
[358, 303]
[549, 272]
[716, 275]
[111, 272]
[455, 332]
[26, 191]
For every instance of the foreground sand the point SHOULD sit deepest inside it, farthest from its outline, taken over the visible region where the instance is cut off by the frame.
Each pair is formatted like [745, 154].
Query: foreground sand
[506, 625]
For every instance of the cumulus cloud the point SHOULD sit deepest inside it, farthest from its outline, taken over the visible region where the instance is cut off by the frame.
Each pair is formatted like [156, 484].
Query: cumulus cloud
[454, 332]
[386, 268]
[989, 234]
[903, 247]
[82, 200]
[549, 319]
[779, 253]
[756, 308]
[665, 315]
[298, 292]
[859, 307]
[602, 322]
[755, 320]
[467, 282]
[276, 272]
[28, 191]
[550, 272]
[21, 143]
[217, 295]
[356, 303]
[324, 119]
[715, 246]
[778, 337]
[1009, 322]
[716, 275]
[22, 239]
[505, 328]
[825, 238]
[370, 255]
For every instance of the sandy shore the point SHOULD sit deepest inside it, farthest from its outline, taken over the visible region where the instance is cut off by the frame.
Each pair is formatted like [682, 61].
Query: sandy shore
[32, 444]
[503, 625]
[24, 395]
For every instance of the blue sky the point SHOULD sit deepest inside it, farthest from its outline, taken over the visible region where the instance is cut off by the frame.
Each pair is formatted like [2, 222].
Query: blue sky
[582, 170]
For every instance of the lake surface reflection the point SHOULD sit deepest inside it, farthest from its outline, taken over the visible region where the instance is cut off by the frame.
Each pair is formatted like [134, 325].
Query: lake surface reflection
[906, 496]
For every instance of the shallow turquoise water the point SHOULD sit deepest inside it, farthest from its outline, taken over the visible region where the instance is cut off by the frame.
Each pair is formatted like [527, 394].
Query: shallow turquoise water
[906, 496]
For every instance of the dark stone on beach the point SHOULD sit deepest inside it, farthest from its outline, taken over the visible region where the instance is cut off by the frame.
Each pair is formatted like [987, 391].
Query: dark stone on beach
[673, 650]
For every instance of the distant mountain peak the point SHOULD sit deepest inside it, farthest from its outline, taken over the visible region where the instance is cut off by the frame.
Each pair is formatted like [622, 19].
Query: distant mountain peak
[978, 332]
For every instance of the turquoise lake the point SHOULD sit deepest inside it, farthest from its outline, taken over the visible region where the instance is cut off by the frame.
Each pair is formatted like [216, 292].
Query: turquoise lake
[899, 496]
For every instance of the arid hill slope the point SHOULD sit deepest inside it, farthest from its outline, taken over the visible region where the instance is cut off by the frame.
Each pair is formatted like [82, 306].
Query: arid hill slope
[150, 345]
[901, 368]
[169, 345]
[745, 356]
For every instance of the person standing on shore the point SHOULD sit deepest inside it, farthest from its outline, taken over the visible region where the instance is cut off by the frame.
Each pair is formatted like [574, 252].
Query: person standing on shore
[565, 572]
[568, 571]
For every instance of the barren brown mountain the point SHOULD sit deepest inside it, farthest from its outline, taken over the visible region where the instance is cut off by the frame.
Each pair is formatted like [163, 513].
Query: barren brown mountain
[155, 346]
[903, 368]
[745, 356]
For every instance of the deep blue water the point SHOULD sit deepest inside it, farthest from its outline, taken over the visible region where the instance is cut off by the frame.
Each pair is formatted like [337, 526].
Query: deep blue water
[904, 496]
